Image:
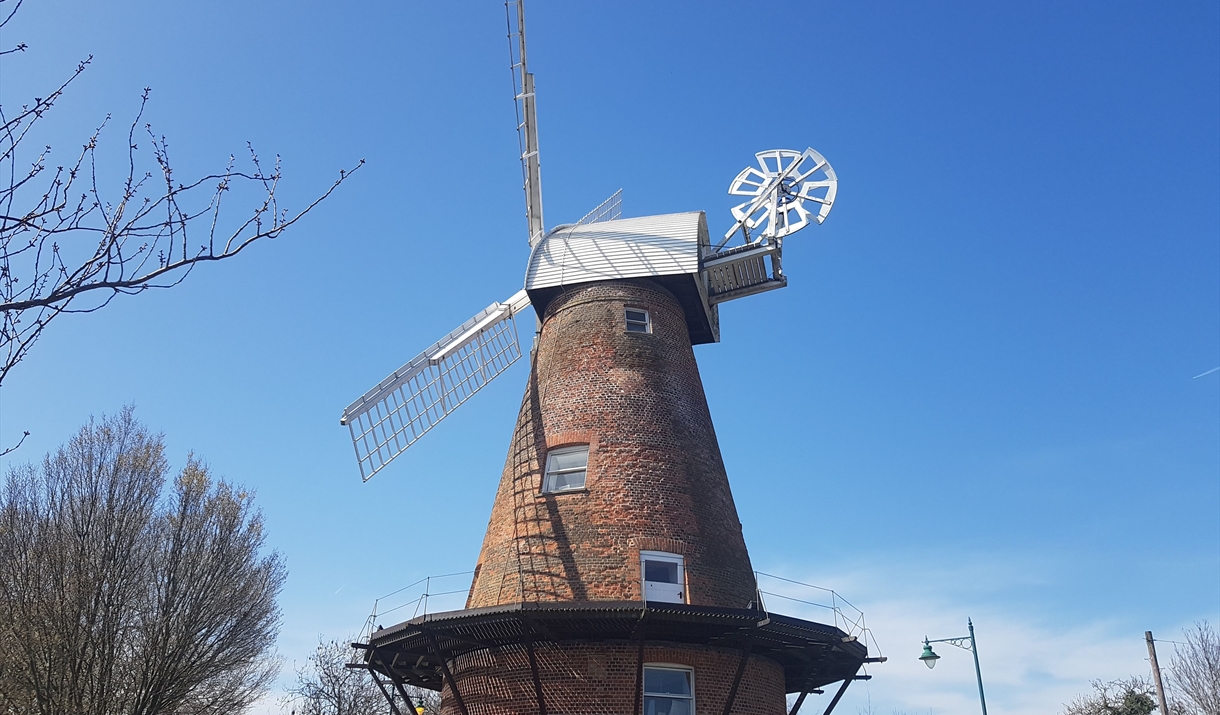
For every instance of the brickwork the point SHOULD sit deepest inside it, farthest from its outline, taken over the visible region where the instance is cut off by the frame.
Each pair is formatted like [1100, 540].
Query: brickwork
[655, 479]
[592, 679]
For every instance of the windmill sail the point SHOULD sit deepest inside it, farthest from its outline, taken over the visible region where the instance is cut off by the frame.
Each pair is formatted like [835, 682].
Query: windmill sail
[402, 408]
[607, 210]
[527, 118]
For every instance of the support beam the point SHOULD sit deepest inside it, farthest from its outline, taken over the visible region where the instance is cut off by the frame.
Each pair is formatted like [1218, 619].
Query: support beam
[440, 659]
[800, 700]
[398, 683]
[529, 649]
[741, 669]
[402, 693]
[835, 700]
[389, 698]
[639, 670]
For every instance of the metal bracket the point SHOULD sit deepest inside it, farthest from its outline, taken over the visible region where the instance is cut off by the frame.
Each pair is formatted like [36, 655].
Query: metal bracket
[741, 669]
[529, 650]
[838, 695]
[440, 659]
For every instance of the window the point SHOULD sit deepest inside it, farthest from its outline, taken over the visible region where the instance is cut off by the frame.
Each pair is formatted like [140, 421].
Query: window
[663, 577]
[565, 469]
[638, 321]
[668, 690]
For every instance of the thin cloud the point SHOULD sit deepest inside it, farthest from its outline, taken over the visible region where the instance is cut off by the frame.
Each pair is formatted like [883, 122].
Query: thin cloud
[1032, 662]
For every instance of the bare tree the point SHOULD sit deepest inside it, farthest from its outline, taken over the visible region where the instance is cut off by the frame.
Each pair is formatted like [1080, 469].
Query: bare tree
[326, 686]
[1194, 673]
[68, 245]
[1132, 696]
[119, 596]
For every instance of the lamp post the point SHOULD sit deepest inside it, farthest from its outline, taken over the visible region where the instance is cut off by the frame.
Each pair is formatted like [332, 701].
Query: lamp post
[930, 657]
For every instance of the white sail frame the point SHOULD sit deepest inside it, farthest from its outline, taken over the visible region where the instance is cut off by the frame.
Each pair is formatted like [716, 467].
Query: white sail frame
[405, 406]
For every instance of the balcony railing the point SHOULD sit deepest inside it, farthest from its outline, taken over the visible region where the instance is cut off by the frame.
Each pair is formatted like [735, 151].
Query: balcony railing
[430, 594]
[813, 603]
[447, 592]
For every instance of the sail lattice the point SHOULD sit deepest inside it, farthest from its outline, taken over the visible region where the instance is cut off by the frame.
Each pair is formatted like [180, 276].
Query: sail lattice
[416, 397]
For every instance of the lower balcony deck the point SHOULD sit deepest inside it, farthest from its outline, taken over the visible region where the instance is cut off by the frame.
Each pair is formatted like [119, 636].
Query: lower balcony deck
[419, 651]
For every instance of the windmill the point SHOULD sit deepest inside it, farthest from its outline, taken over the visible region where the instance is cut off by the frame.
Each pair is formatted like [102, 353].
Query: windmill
[613, 576]
[399, 410]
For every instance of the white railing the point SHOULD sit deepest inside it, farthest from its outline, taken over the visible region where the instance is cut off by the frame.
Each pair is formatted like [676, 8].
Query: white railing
[447, 592]
[814, 603]
[430, 594]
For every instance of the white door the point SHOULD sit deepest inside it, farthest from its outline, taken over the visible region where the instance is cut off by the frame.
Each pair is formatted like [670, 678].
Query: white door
[663, 577]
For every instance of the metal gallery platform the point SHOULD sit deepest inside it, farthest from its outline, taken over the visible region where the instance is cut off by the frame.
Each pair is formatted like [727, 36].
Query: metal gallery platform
[417, 652]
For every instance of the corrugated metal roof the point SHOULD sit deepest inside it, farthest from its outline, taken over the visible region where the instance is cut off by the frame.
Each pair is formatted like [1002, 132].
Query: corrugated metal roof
[811, 654]
[626, 248]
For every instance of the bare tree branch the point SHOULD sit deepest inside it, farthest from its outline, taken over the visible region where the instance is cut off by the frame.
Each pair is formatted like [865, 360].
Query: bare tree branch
[9, 450]
[122, 594]
[1194, 674]
[326, 686]
[1130, 696]
[68, 245]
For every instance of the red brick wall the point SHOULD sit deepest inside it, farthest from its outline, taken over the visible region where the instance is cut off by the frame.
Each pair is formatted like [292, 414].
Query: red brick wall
[656, 480]
[589, 679]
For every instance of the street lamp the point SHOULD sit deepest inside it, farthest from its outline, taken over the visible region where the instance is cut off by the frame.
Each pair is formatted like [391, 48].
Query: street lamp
[929, 657]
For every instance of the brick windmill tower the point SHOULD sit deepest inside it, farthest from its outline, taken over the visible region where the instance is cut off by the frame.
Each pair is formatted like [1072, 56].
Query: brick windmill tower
[613, 577]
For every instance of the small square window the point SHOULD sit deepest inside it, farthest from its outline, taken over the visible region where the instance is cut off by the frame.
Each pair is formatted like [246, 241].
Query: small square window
[661, 571]
[663, 577]
[638, 321]
[565, 469]
[668, 691]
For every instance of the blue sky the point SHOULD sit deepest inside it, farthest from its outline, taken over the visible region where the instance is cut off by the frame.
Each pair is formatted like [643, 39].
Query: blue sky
[975, 398]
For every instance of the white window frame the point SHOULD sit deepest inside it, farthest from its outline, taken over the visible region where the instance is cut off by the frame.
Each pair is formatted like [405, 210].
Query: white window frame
[666, 556]
[668, 666]
[629, 321]
[548, 471]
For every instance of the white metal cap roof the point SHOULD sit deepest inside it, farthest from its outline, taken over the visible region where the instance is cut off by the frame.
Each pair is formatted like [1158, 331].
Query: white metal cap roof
[625, 248]
[663, 248]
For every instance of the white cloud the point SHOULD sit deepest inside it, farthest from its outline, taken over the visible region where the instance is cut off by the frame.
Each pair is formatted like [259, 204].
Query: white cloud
[1032, 660]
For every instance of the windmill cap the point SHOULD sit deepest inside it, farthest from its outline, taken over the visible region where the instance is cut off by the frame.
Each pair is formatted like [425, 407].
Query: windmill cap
[665, 249]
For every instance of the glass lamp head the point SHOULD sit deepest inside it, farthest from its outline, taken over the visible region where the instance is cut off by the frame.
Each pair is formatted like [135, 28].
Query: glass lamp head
[929, 657]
